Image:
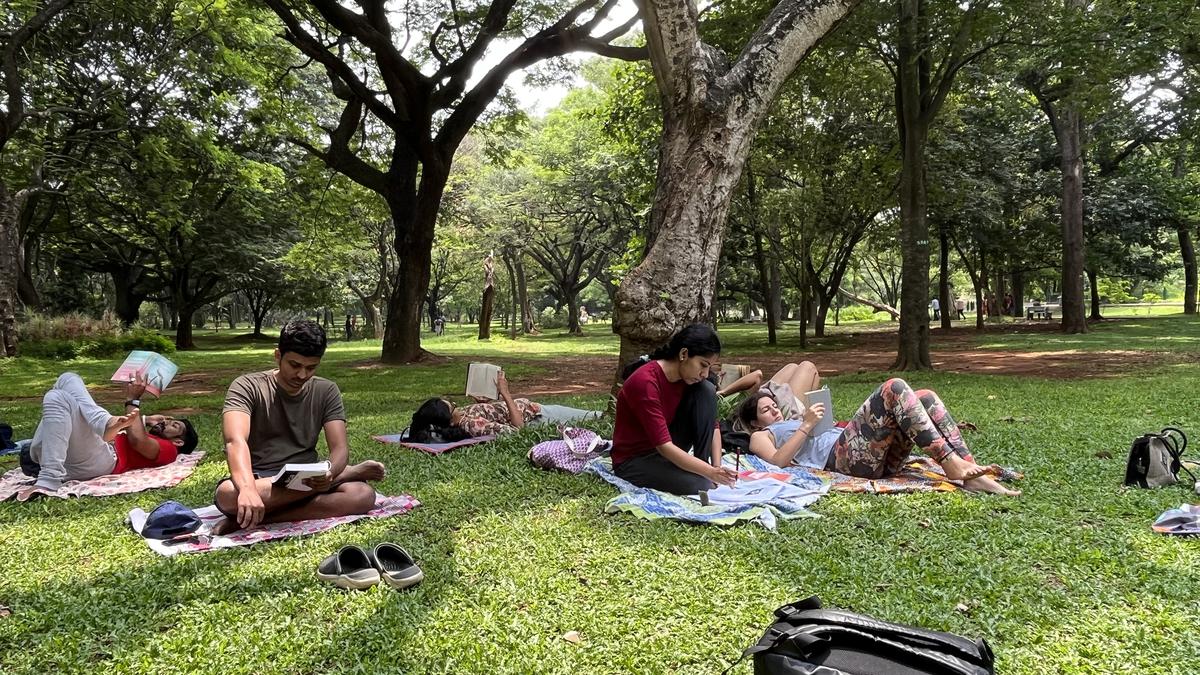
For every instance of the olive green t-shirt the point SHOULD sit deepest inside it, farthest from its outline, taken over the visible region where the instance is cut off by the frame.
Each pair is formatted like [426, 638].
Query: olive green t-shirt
[283, 429]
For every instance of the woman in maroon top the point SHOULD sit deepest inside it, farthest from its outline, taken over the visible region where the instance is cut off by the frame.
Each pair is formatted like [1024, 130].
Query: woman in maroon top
[665, 435]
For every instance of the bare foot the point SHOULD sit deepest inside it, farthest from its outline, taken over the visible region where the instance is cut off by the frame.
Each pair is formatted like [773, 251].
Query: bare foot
[989, 485]
[118, 424]
[225, 526]
[369, 470]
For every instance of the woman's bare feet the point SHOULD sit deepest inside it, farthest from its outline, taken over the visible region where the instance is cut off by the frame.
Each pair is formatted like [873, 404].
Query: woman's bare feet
[117, 424]
[369, 470]
[957, 468]
[989, 485]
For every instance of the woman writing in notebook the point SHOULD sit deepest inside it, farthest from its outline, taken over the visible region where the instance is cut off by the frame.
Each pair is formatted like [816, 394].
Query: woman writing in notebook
[665, 436]
[875, 442]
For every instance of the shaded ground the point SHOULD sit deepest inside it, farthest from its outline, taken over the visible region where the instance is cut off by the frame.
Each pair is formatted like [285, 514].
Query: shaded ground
[875, 351]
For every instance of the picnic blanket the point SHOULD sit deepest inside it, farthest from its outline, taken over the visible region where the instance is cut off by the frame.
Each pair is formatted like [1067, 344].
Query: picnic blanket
[164, 476]
[432, 448]
[204, 540]
[1183, 521]
[920, 474]
[655, 504]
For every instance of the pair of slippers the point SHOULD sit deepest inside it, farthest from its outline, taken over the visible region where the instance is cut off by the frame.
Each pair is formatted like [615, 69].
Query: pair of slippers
[355, 568]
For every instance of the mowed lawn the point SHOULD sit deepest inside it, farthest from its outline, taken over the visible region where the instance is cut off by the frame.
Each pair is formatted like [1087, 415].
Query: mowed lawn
[1067, 578]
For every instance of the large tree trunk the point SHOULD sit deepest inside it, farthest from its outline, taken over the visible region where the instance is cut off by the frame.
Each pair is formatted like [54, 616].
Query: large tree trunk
[1187, 251]
[485, 313]
[527, 324]
[127, 302]
[981, 299]
[1069, 134]
[259, 318]
[1095, 293]
[414, 255]
[9, 295]
[1017, 281]
[183, 328]
[770, 307]
[572, 297]
[710, 112]
[912, 351]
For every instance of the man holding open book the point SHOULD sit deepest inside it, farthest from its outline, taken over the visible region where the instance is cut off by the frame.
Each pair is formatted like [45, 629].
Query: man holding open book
[271, 422]
[77, 439]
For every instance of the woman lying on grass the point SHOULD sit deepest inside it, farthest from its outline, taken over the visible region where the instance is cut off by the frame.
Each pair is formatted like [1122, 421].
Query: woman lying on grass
[875, 442]
[665, 435]
[439, 420]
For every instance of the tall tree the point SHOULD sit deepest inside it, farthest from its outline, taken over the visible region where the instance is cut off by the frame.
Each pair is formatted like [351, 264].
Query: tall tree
[426, 115]
[711, 109]
[22, 24]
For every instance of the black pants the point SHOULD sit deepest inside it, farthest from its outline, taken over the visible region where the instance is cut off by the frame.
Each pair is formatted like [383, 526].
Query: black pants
[691, 429]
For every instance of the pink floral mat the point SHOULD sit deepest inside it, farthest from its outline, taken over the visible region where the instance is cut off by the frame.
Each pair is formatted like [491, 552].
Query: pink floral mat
[169, 475]
[204, 541]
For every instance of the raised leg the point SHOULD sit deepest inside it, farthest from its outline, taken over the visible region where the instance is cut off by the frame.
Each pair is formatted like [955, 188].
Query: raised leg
[805, 378]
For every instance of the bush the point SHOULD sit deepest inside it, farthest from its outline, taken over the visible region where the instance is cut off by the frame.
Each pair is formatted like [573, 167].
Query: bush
[58, 350]
[857, 313]
[69, 327]
[72, 335]
[136, 339]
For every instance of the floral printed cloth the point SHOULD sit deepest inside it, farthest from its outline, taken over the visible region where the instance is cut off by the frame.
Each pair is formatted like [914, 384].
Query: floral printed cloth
[203, 541]
[919, 474]
[164, 476]
[481, 419]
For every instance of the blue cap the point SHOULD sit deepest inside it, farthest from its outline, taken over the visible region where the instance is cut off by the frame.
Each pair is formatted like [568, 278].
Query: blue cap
[170, 519]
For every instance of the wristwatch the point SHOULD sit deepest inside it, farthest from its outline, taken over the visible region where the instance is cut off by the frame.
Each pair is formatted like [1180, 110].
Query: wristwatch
[133, 402]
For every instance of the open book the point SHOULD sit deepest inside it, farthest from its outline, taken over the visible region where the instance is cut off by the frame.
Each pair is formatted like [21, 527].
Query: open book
[292, 476]
[821, 395]
[155, 367]
[730, 373]
[481, 380]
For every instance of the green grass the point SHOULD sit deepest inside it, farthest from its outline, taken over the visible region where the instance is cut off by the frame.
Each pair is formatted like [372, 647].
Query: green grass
[1067, 578]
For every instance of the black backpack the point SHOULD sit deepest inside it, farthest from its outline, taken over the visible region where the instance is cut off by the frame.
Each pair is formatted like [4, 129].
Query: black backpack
[1155, 460]
[808, 640]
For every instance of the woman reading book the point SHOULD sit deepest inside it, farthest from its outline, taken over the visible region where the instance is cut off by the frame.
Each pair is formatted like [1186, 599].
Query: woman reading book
[77, 439]
[439, 420]
[665, 435]
[875, 442]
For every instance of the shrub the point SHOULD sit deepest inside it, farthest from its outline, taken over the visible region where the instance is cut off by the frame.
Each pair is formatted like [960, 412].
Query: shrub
[69, 327]
[58, 350]
[136, 339]
[73, 335]
[857, 313]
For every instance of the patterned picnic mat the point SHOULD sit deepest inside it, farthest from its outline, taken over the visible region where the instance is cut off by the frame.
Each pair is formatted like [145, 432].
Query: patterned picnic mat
[165, 476]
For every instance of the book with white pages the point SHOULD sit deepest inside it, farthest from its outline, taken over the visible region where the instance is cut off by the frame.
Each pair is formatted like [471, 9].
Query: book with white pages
[292, 476]
[822, 395]
[481, 380]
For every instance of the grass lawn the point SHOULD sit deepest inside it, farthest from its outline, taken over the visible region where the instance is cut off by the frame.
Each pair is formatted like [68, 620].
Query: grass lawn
[1067, 578]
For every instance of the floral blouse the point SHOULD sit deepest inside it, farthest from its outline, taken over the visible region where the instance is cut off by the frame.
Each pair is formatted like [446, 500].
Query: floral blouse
[481, 419]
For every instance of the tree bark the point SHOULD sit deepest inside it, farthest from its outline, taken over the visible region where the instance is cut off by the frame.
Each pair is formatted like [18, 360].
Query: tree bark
[414, 254]
[1095, 293]
[489, 295]
[512, 287]
[912, 351]
[710, 113]
[770, 306]
[947, 304]
[1069, 134]
[9, 295]
[527, 323]
[127, 301]
[1187, 251]
[1017, 281]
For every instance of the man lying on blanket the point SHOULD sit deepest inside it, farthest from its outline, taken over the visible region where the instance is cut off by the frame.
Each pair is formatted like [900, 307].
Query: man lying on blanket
[76, 439]
[274, 418]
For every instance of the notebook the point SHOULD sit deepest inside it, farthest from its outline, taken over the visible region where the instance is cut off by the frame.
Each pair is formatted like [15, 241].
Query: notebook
[481, 380]
[822, 395]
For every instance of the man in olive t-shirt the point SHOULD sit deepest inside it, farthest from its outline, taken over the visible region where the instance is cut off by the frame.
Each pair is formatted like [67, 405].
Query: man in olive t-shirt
[275, 418]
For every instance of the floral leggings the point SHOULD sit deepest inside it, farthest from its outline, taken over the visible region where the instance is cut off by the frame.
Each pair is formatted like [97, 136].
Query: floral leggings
[891, 422]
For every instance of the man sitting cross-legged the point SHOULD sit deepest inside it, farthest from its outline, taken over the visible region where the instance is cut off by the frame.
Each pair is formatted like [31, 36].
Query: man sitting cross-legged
[77, 439]
[274, 418]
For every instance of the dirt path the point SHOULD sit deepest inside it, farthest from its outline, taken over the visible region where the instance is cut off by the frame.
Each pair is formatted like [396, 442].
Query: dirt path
[870, 352]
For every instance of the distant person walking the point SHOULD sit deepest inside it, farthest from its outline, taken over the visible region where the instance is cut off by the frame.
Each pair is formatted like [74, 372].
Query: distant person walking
[960, 306]
[937, 309]
[349, 327]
